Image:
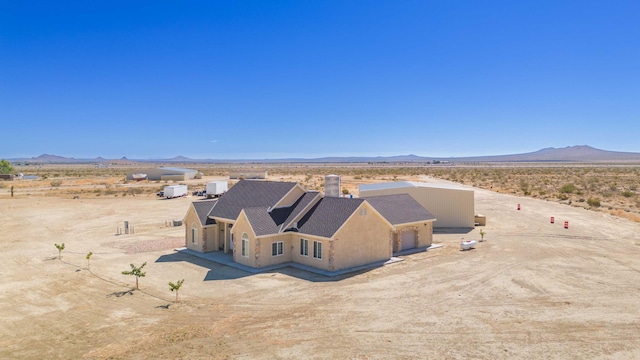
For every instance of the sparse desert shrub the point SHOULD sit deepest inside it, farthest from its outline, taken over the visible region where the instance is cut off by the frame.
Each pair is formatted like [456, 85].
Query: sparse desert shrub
[568, 188]
[594, 202]
[563, 196]
[345, 191]
[56, 183]
[628, 193]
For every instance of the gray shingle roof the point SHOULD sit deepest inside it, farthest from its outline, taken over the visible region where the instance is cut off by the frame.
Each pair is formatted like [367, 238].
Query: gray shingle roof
[264, 222]
[297, 208]
[399, 208]
[249, 193]
[327, 216]
[202, 211]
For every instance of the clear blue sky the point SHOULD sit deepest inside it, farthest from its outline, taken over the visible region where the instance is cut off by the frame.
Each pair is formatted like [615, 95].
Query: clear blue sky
[270, 79]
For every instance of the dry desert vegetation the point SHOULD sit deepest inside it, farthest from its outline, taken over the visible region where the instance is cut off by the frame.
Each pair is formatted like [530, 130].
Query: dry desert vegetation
[531, 290]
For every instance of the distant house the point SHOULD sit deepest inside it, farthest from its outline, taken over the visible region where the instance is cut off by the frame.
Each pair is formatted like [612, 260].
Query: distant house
[268, 223]
[163, 173]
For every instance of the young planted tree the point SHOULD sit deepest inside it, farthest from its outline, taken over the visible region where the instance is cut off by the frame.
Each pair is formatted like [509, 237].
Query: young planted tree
[88, 257]
[482, 234]
[137, 272]
[176, 287]
[60, 248]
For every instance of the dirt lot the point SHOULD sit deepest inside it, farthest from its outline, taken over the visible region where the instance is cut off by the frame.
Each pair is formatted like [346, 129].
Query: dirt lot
[532, 290]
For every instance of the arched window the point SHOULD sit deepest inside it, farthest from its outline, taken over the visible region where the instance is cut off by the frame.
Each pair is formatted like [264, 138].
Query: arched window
[245, 244]
[194, 234]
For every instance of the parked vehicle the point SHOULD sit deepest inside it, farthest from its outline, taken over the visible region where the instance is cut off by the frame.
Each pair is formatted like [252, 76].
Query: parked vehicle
[174, 191]
[160, 194]
[216, 188]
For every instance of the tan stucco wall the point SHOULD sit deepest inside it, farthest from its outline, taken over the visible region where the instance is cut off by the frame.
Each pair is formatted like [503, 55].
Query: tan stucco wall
[190, 220]
[363, 239]
[309, 260]
[242, 226]
[259, 247]
[207, 235]
[263, 246]
[424, 233]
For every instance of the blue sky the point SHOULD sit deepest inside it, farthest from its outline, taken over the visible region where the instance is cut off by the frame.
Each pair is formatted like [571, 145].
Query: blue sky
[272, 79]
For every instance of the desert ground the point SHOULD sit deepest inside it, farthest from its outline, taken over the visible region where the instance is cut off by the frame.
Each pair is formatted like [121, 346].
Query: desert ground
[531, 290]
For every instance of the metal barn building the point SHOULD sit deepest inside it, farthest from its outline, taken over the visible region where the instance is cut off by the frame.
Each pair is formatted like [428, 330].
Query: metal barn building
[164, 173]
[248, 174]
[453, 206]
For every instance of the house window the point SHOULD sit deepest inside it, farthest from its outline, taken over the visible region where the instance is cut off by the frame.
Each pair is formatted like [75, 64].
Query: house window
[304, 247]
[363, 211]
[277, 248]
[245, 244]
[317, 250]
[194, 234]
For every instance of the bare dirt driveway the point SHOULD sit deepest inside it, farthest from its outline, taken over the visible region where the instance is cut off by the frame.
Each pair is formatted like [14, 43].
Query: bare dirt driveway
[532, 290]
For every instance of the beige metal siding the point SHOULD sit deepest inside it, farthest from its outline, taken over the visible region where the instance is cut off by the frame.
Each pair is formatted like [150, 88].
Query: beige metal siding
[451, 207]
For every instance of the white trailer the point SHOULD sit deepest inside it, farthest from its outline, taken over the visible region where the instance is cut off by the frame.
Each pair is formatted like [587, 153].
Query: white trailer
[174, 191]
[216, 188]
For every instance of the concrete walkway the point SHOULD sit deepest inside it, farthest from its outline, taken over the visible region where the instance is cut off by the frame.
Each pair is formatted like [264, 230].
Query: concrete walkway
[227, 259]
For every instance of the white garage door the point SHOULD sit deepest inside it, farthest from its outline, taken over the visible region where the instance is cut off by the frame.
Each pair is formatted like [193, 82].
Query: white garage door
[408, 240]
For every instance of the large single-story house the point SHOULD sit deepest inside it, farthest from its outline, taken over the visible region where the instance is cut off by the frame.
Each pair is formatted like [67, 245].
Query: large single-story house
[265, 223]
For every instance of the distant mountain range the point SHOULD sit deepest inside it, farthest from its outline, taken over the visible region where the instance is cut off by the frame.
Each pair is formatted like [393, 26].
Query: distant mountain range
[581, 153]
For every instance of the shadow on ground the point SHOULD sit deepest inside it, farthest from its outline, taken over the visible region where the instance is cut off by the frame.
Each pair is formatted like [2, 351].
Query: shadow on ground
[219, 271]
[216, 271]
[452, 230]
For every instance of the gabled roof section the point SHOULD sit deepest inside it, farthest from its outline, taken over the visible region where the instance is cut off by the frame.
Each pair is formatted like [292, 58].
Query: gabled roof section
[400, 208]
[327, 216]
[249, 193]
[202, 209]
[265, 222]
[299, 207]
[291, 197]
[262, 221]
